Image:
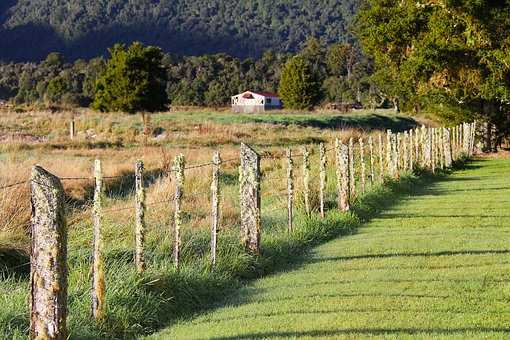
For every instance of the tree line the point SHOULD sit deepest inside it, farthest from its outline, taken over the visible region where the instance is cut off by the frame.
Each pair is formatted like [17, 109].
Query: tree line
[340, 71]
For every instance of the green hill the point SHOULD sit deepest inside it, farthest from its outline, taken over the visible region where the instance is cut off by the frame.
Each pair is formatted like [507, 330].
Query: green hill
[30, 29]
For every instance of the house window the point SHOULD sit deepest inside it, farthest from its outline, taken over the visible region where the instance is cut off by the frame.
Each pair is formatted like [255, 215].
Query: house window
[268, 100]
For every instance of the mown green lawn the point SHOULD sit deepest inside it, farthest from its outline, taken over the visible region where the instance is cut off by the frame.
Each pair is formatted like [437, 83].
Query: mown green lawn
[436, 265]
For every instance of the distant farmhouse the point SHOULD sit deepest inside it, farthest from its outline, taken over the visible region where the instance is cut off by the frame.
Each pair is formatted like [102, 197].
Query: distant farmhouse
[255, 102]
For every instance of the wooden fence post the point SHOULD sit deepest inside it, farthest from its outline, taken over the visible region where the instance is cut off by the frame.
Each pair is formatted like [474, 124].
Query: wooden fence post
[371, 150]
[417, 144]
[405, 147]
[362, 165]
[98, 279]
[352, 173]
[448, 147]
[139, 218]
[306, 179]
[395, 156]
[290, 190]
[72, 129]
[411, 150]
[48, 259]
[342, 174]
[322, 175]
[178, 169]
[389, 150]
[381, 159]
[433, 149]
[215, 205]
[249, 179]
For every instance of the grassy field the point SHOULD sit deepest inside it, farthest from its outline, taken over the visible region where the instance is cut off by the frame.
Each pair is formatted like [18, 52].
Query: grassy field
[138, 305]
[433, 266]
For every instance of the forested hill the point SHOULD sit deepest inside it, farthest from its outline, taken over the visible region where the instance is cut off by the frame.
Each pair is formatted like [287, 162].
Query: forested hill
[30, 29]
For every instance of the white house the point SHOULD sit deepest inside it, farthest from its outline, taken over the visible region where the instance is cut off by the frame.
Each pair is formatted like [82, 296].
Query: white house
[254, 102]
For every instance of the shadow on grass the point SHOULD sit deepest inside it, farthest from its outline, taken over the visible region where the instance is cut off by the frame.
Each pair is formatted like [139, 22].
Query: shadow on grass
[366, 122]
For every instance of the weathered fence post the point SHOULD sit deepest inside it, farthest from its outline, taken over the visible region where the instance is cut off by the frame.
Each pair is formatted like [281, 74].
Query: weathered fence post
[448, 147]
[411, 150]
[371, 150]
[48, 259]
[306, 179]
[249, 179]
[290, 190]
[405, 147]
[342, 174]
[362, 165]
[215, 205]
[139, 218]
[433, 149]
[98, 279]
[178, 169]
[352, 173]
[381, 159]
[389, 150]
[72, 130]
[395, 156]
[322, 175]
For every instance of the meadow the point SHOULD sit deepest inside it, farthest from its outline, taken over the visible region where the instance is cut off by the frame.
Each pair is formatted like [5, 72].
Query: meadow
[137, 304]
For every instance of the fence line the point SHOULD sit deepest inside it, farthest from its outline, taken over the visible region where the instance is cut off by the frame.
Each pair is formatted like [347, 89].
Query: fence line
[428, 148]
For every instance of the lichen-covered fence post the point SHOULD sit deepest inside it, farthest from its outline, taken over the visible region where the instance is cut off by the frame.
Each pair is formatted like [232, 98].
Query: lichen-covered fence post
[342, 174]
[48, 259]
[98, 279]
[352, 174]
[178, 170]
[433, 149]
[139, 217]
[389, 150]
[72, 129]
[215, 205]
[381, 159]
[448, 147]
[394, 156]
[362, 165]
[306, 179]
[249, 180]
[290, 190]
[405, 147]
[411, 150]
[441, 146]
[473, 137]
[425, 142]
[371, 151]
[322, 175]
[417, 148]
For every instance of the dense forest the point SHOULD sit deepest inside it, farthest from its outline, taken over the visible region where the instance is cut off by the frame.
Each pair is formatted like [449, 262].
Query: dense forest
[207, 80]
[31, 29]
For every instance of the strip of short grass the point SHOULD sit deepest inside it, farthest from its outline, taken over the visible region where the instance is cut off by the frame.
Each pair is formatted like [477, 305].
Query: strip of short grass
[435, 265]
[138, 305]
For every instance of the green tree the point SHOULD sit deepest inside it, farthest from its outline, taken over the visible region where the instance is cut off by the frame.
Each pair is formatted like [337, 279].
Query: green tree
[133, 80]
[56, 88]
[299, 88]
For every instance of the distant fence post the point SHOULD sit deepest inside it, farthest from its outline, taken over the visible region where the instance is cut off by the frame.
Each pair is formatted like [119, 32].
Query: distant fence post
[249, 178]
[178, 168]
[306, 179]
[351, 170]
[389, 150]
[215, 205]
[362, 165]
[139, 218]
[322, 175]
[371, 151]
[394, 155]
[290, 189]
[72, 129]
[448, 147]
[411, 150]
[405, 141]
[381, 158]
[48, 259]
[98, 279]
[342, 173]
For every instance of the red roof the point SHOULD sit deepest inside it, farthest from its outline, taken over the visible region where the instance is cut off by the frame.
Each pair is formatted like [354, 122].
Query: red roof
[265, 94]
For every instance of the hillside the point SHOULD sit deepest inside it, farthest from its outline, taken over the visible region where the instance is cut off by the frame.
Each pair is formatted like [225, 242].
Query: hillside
[30, 29]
